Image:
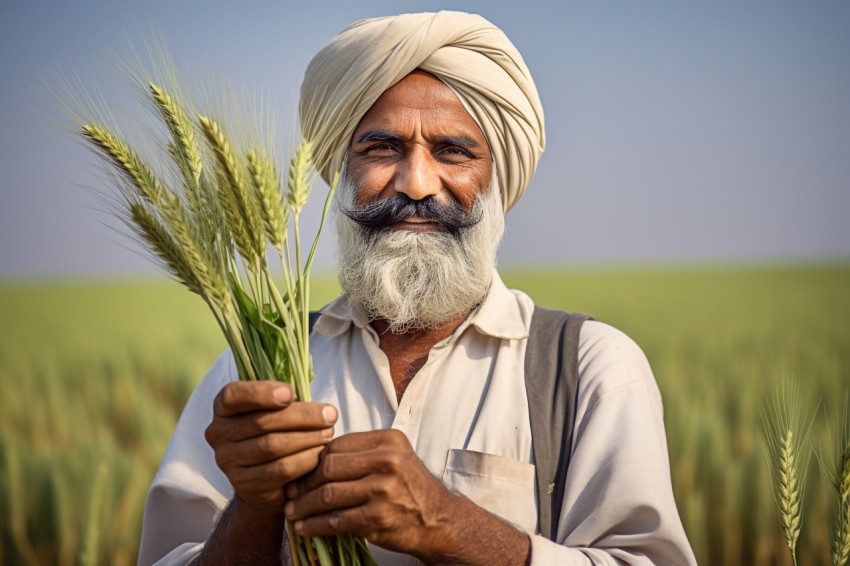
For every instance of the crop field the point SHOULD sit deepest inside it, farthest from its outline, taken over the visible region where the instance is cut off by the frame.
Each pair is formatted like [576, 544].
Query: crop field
[93, 378]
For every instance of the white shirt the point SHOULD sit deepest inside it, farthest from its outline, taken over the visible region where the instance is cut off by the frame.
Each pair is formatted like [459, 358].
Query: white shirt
[466, 416]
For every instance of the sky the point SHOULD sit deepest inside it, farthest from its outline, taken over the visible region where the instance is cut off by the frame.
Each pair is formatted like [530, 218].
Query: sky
[677, 132]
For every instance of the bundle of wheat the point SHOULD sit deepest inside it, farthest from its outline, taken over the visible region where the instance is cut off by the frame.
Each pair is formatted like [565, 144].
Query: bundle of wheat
[208, 225]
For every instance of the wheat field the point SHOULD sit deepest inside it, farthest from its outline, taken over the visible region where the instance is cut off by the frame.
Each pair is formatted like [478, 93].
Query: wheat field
[93, 377]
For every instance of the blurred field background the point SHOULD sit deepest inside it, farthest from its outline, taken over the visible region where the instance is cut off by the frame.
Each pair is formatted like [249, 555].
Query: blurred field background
[93, 378]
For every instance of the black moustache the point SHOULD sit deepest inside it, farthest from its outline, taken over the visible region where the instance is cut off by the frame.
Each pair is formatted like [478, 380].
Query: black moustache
[382, 213]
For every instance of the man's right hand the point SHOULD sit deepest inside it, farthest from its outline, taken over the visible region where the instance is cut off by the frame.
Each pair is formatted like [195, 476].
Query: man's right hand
[263, 440]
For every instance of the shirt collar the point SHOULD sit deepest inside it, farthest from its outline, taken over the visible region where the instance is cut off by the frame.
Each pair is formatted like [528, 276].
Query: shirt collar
[498, 315]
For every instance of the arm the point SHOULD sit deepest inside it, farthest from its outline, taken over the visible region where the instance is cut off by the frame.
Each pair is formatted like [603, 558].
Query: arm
[618, 505]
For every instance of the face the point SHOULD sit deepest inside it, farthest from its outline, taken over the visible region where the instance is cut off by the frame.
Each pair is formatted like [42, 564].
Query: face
[419, 140]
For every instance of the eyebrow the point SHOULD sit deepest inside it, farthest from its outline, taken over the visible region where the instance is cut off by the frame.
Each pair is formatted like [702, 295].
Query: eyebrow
[386, 135]
[377, 135]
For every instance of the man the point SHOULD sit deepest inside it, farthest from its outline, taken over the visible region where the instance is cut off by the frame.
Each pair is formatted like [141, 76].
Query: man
[420, 435]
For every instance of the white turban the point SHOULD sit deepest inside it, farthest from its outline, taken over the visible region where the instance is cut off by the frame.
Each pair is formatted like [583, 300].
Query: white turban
[466, 52]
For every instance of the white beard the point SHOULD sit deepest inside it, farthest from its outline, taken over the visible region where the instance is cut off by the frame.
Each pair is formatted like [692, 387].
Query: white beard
[418, 280]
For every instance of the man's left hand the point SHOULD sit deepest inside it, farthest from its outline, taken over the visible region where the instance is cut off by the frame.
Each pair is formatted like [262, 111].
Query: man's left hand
[374, 485]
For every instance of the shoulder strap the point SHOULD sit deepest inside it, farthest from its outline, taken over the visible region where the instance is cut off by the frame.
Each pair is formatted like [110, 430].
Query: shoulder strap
[314, 316]
[551, 381]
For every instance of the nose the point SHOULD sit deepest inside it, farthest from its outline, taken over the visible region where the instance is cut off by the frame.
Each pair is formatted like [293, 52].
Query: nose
[417, 175]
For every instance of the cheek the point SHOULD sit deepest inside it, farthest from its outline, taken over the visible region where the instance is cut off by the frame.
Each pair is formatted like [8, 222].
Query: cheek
[370, 181]
[467, 185]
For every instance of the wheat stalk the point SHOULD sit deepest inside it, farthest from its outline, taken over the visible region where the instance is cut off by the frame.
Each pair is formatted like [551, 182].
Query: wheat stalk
[788, 454]
[841, 521]
[837, 476]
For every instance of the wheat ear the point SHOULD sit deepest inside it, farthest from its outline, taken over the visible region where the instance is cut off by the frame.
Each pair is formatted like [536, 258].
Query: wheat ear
[166, 248]
[788, 455]
[185, 147]
[840, 530]
[266, 184]
[299, 175]
[131, 165]
[240, 207]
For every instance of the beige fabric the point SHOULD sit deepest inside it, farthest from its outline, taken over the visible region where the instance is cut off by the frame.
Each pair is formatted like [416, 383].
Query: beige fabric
[468, 53]
[466, 415]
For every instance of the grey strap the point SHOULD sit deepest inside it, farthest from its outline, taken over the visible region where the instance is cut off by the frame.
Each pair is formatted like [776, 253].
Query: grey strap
[314, 316]
[551, 381]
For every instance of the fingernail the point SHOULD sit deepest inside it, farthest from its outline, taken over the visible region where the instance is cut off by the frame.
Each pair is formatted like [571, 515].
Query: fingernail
[328, 433]
[282, 395]
[329, 414]
[288, 509]
[298, 527]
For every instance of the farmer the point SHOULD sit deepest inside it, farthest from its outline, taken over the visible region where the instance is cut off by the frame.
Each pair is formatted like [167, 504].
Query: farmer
[420, 436]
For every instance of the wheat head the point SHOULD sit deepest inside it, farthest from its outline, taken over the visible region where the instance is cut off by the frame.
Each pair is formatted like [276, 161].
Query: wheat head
[240, 206]
[186, 152]
[841, 520]
[299, 175]
[788, 453]
[130, 165]
[266, 184]
[788, 493]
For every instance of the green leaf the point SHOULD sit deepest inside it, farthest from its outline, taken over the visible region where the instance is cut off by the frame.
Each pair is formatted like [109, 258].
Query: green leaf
[246, 304]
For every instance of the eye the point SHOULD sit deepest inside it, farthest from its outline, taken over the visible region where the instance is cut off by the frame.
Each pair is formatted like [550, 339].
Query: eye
[454, 153]
[380, 148]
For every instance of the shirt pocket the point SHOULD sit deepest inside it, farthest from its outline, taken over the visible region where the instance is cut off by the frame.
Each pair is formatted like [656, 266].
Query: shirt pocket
[501, 485]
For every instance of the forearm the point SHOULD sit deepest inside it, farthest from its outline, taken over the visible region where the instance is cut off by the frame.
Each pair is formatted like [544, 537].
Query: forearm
[244, 535]
[473, 536]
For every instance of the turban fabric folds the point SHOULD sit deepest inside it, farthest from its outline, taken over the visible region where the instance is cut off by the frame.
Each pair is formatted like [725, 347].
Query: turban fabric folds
[466, 52]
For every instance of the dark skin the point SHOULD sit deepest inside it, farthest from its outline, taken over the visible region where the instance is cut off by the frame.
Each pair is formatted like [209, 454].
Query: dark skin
[279, 454]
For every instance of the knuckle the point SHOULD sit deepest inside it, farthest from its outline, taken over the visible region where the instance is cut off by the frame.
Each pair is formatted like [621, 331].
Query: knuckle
[211, 434]
[335, 520]
[265, 422]
[265, 444]
[228, 394]
[284, 469]
[328, 466]
[381, 522]
[327, 495]
[394, 462]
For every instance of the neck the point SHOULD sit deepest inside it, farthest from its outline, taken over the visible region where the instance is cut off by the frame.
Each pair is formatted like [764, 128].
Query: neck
[407, 352]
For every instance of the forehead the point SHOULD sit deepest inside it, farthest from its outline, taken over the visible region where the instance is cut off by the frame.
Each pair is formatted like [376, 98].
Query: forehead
[420, 103]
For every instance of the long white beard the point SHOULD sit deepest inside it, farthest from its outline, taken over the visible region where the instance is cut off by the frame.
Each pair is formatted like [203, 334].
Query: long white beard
[418, 280]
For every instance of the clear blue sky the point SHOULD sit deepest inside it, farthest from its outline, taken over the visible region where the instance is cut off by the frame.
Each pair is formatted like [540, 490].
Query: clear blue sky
[677, 131]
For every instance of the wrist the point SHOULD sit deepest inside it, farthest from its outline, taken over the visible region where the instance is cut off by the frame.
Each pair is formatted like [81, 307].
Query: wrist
[246, 513]
[469, 535]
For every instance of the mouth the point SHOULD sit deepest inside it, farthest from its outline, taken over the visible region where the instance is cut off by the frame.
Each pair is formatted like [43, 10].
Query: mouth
[416, 224]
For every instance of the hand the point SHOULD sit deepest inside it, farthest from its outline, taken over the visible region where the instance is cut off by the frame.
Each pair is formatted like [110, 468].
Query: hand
[374, 485]
[263, 440]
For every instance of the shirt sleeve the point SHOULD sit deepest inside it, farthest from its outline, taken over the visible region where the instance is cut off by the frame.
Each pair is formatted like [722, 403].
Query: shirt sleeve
[189, 491]
[618, 504]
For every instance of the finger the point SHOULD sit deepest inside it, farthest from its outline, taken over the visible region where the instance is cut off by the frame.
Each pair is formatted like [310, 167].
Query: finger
[296, 417]
[269, 447]
[354, 520]
[272, 476]
[329, 497]
[370, 440]
[335, 468]
[243, 396]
